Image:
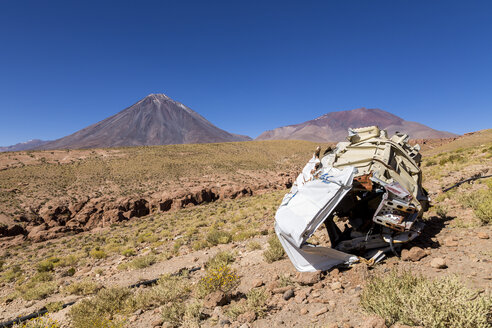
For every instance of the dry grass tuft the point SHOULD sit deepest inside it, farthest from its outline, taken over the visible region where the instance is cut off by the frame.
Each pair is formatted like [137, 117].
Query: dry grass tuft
[417, 301]
[275, 251]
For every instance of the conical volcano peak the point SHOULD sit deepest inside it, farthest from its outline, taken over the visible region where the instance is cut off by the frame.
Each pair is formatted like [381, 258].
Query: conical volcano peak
[155, 120]
[157, 96]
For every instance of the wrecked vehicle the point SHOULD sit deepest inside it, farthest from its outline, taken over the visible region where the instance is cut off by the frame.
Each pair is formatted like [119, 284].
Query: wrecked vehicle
[372, 184]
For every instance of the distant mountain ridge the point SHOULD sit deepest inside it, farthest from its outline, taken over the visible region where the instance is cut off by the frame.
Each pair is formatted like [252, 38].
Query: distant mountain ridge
[332, 127]
[154, 120]
[31, 144]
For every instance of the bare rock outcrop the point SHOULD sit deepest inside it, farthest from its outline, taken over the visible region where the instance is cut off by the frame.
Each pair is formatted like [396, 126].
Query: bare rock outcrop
[64, 215]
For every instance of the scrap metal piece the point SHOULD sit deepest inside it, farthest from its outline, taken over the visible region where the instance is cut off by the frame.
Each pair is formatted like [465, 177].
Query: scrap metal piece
[371, 181]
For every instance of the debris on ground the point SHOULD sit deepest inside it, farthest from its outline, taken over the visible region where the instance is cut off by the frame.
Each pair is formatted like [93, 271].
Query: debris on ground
[368, 193]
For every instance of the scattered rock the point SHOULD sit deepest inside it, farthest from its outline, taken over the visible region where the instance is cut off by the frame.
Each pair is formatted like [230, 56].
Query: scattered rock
[414, 254]
[256, 283]
[214, 299]
[272, 285]
[438, 263]
[336, 285]
[224, 322]
[304, 311]
[321, 311]
[450, 242]
[157, 323]
[334, 273]
[482, 235]
[281, 290]
[308, 278]
[374, 322]
[302, 294]
[288, 294]
[249, 316]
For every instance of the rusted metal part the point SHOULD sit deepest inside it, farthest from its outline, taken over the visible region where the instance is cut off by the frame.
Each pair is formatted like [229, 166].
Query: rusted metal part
[364, 181]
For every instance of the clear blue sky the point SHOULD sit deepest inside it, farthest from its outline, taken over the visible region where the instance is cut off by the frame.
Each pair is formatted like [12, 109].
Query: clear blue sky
[247, 66]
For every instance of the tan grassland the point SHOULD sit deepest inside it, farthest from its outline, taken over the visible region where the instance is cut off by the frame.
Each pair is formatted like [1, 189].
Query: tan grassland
[233, 243]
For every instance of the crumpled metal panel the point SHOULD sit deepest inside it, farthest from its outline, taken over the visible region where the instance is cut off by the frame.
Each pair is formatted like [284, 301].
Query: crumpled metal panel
[372, 182]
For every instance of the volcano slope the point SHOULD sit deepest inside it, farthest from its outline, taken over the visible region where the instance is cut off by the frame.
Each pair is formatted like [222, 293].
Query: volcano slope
[244, 279]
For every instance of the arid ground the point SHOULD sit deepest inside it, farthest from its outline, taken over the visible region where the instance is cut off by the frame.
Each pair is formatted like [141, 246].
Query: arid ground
[83, 225]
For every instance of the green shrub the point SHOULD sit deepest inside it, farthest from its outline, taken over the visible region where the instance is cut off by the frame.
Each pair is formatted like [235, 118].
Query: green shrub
[129, 252]
[275, 251]
[256, 301]
[41, 322]
[69, 272]
[254, 245]
[243, 235]
[481, 203]
[12, 274]
[218, 277]
[169, 289]
[33, 290]
[220, 259]
[69, 260]
[174, 313]
[417, 301]
[199, 244]
[143, 261]
[45, 266]
[98, 253]
[216, 237]
[84, 287]
[99, 311]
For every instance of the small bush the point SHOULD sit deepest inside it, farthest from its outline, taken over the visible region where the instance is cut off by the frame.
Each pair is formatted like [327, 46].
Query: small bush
[219, 277]
[199, 244]
[54, 306]
[69, 272]
[243, 235]
[99, 310]
[69, 260]
[45, 266]
[216, 237]
[481, 203]
[254, 245]
[84, 287]
[12, 274]
[41, 322]
[430, 162]
[220, 259]
[143, 261]
[129, 252]
[174, 313]
[275, 250]
[34, 290]
[441, 211]
[417, 301]
[168, 289]
[256, 301]
[98, 253]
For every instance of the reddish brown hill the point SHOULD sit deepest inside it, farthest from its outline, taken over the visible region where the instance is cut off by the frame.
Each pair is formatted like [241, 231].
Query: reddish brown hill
[333, 126]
